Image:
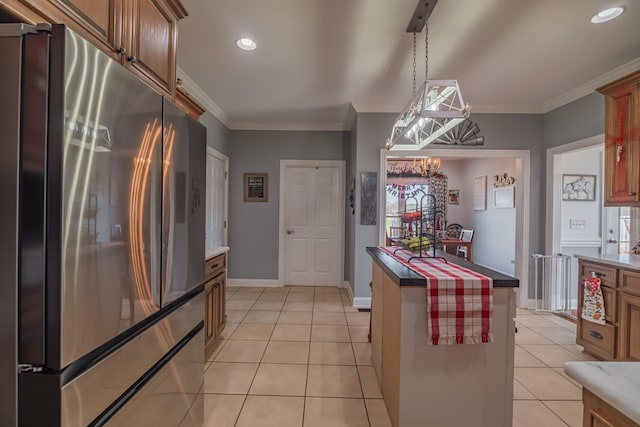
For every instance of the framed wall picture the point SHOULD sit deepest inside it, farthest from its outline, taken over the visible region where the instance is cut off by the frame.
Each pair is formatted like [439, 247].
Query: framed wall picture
[578, 187]
[504, 197]
[480, 193]
[454, 197]
[368, 198]
[255, 187]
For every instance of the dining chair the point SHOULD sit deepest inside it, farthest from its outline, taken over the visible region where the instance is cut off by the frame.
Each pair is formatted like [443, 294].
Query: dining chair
[466, 235]
[453, 230]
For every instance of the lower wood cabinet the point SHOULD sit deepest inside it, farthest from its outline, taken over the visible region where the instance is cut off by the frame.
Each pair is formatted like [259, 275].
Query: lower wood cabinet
[598, 413]
[629, 327]
[619, 337]
[215, 300]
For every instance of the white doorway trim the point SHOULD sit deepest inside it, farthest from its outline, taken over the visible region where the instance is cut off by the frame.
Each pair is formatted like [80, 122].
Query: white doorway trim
[341, 165]
[223, 158]
[523, 164]
[552, 238]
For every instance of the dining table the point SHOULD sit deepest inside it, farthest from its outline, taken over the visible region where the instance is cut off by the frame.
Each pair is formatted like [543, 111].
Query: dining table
[457, 243]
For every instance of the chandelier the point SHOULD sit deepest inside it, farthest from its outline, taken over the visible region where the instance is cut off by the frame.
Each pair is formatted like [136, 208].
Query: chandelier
[437, 107]
[427, 166]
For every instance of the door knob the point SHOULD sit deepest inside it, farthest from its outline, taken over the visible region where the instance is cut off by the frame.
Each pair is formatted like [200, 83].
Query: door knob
[612, 241]
[289, 231]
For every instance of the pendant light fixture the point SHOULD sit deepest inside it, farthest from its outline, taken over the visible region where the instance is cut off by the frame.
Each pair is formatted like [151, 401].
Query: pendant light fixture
[438, 105]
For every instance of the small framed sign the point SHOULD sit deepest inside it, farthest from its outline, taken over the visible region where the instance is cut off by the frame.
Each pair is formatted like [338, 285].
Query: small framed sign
[255, 187]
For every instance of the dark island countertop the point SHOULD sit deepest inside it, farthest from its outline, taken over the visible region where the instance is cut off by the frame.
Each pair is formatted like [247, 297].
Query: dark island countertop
[404, 276]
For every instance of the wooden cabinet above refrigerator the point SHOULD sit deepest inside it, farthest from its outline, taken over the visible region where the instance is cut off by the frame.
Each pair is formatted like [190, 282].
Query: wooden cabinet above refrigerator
[140, 34]
[622, 141]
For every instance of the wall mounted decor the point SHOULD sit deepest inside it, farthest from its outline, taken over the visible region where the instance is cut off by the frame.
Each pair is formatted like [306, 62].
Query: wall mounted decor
[255, 187]
[368, 198]
[504, 197]
[454, 197]
[503, 180]
[480, 193]
[578, 187]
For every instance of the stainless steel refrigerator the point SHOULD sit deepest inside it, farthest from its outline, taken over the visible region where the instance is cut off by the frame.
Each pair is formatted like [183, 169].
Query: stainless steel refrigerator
[102, 241]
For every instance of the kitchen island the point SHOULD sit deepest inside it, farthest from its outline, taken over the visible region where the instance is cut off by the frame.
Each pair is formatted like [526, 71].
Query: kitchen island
[443, 385]
[610, 392]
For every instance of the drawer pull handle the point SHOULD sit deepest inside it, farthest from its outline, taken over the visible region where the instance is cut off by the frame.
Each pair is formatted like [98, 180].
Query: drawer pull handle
[214, 266]
[596, 274]
[596, 335]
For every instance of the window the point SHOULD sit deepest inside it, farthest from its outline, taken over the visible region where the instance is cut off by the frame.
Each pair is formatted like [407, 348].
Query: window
[624, 238]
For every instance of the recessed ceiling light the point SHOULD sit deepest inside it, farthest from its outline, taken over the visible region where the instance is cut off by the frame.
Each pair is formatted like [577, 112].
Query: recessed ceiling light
[246, 44]
[607, 15]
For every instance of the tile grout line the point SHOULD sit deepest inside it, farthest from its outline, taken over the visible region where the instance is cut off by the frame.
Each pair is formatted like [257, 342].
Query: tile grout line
[254, 374]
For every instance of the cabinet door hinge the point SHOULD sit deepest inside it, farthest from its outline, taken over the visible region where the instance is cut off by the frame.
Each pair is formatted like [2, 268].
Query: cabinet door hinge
[225, 223]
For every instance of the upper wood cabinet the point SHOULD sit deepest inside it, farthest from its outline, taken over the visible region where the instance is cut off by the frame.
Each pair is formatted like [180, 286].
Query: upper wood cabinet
[151, 36]
[622, 141]
[141, 34]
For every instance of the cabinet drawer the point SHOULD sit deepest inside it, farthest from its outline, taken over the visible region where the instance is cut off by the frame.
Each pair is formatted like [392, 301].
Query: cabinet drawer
[598, 339]
[606, 274]
[629, 281]
[215, 265]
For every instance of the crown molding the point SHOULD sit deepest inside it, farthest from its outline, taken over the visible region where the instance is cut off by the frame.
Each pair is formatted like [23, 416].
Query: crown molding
[505, 109]
[588, 87]
[289, 126]
[361, 107]
[192, 88]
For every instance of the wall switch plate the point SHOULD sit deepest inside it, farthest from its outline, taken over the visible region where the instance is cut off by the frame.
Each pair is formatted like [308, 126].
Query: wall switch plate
[577, 223]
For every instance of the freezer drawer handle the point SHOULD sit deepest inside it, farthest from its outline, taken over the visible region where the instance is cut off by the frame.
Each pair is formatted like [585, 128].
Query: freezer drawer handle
[596, 335]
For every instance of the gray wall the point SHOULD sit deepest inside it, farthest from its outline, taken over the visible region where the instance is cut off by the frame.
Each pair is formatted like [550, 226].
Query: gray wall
[373, 129]
[217, 134]
[253, 227]
[350, 217]
[577, 120]
[501, 131]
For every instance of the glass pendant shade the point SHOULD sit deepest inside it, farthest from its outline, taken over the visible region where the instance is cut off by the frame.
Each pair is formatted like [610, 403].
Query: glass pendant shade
[437, 108]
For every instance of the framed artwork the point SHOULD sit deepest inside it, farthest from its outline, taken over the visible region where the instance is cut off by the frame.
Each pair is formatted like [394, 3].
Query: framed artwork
[368, 198]
[255, 187]
[578, 187]
[480, 193]
[454, 197]
[504, 197]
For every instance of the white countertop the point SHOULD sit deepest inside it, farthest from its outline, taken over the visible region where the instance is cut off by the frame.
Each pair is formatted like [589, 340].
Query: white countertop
[619, 260]
[211, 252]
[617, 383]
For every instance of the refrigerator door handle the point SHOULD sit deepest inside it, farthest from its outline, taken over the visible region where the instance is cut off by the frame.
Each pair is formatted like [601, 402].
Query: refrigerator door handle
[32, 301]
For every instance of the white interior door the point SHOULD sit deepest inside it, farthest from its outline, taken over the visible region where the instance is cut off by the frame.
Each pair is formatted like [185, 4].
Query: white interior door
[216, 217]
[611, 231]
[312, 218]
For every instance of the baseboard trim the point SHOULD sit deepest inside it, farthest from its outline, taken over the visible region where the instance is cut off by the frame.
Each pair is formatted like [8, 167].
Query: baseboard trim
[362, 302]
[255, 283]
[346, 285]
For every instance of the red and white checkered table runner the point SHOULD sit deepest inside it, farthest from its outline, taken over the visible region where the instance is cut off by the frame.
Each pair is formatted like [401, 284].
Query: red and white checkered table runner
[459, 301]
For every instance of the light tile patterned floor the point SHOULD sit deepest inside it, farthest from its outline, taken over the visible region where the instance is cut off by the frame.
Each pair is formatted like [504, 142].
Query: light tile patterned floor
[299, 357]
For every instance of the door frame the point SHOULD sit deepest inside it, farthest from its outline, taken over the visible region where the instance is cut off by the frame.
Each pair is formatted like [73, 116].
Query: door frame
[225, 213]
[553, 240]
[523, 164]
[341, 165]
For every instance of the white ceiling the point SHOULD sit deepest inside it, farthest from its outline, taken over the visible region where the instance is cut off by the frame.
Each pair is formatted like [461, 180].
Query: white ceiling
[315, 58]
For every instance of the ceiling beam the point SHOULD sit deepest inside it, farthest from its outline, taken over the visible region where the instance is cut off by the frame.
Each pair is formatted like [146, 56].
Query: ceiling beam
[421, 15]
